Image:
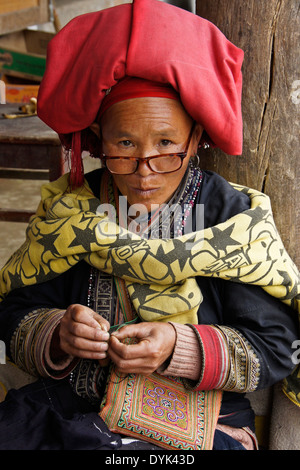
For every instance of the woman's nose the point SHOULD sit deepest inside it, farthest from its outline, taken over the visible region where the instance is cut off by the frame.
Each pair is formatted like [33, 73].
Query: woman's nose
[143, 168]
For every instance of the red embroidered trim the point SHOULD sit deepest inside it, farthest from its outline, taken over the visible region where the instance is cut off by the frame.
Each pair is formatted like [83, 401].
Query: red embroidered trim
[215, 360]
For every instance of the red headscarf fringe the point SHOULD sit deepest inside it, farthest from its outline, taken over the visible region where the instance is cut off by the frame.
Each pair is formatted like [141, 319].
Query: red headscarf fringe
[77, 171]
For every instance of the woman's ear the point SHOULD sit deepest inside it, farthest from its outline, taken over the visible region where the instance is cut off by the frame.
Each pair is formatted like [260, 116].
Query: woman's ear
[198, 131]
[95, 128]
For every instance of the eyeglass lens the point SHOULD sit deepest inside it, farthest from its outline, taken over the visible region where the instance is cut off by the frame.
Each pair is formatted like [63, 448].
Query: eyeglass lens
[163, 164]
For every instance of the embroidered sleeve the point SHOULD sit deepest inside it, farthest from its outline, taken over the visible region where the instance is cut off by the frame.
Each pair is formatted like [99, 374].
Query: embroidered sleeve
[228, 360]
[30, 344]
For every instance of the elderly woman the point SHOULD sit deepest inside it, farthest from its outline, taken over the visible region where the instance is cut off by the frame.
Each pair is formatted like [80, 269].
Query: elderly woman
[141, 322]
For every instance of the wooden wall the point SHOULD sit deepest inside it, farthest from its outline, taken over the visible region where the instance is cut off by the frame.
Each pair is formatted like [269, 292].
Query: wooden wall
[268, 31]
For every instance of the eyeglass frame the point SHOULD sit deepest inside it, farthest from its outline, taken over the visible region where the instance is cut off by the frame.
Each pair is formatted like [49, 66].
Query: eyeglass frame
[181, 155]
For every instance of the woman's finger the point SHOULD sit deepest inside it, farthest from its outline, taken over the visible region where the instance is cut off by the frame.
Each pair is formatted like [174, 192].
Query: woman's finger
[154, 344]
[81, 347]
[127, 350]
[83, 333]
[135, 365]
[89, 332]
[82, 314]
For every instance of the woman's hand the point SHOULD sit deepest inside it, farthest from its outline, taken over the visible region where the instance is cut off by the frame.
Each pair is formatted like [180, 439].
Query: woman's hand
[83, 333]
[154, 345]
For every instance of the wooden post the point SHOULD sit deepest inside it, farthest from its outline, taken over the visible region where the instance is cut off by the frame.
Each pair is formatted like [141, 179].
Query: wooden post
[268, 32]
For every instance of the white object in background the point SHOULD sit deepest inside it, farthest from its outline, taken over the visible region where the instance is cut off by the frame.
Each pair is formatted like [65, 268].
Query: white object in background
[2, 93]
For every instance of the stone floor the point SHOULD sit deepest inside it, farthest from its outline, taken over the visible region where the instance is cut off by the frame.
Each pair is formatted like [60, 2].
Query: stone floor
[17, 194]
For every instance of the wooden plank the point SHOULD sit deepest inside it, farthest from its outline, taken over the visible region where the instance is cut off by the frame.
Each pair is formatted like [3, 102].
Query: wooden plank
[18, 20]
[30, 130]
[12, 215]
[268, 32]
[23, 174]
[34, 157]
[16, 5]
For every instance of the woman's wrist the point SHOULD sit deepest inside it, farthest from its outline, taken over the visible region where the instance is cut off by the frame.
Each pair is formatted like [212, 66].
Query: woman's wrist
[57, 361]
[56, 354]
[186, 358]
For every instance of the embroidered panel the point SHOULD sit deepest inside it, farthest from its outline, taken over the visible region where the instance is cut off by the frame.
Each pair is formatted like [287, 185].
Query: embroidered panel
[160, 410]
[88, 377]
[244, 372]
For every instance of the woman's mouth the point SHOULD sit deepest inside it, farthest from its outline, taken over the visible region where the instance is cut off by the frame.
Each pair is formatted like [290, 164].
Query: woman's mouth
[144, 192]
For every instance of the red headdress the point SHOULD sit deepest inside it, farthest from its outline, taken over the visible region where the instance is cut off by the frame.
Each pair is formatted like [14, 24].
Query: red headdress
[147, 39]
[131, 87]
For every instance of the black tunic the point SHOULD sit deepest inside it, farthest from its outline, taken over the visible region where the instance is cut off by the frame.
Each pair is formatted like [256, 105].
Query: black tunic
[269, 325]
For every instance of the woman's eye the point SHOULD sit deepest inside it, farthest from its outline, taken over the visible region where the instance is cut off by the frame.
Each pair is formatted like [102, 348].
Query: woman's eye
[125, 143]
[166, 143]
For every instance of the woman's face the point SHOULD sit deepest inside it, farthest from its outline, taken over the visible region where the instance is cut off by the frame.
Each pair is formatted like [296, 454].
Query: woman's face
[143, 127]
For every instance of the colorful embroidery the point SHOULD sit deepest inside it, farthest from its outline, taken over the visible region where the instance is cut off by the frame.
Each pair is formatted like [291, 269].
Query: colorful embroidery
[243, 375]
[164, 404]
[228, 360]
[160, 410]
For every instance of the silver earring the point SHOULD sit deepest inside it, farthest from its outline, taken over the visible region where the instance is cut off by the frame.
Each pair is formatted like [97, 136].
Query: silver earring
[196, 160]
[203, 145]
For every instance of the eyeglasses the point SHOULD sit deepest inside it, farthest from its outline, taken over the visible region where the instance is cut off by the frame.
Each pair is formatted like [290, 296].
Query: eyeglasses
[165, 163]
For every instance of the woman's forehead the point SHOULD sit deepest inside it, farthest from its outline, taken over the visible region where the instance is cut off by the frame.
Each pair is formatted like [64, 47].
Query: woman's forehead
[161, 115]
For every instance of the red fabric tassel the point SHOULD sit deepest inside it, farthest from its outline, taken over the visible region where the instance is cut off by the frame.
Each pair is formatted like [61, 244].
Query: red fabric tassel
[77, 172]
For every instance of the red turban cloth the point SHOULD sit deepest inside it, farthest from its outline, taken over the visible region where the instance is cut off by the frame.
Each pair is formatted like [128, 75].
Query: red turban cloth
[132, 87]
[147, 39]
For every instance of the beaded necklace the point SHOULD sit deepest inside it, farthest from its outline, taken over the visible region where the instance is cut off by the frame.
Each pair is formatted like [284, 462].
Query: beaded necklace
[164, 222]
[188, 197]
[185, 197]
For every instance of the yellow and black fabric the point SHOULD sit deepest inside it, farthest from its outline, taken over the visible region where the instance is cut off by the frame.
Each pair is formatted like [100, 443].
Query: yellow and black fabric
[159, 273]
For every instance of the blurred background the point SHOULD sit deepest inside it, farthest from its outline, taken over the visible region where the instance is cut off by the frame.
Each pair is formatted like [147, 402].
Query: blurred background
[26, 27]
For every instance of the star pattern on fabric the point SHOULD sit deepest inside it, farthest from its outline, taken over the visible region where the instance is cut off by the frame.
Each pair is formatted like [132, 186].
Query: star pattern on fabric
[14, 279]
[141, 293]
[222, 238]
[174, 255]
[48, 242]
[83, 237]
[256, 216]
